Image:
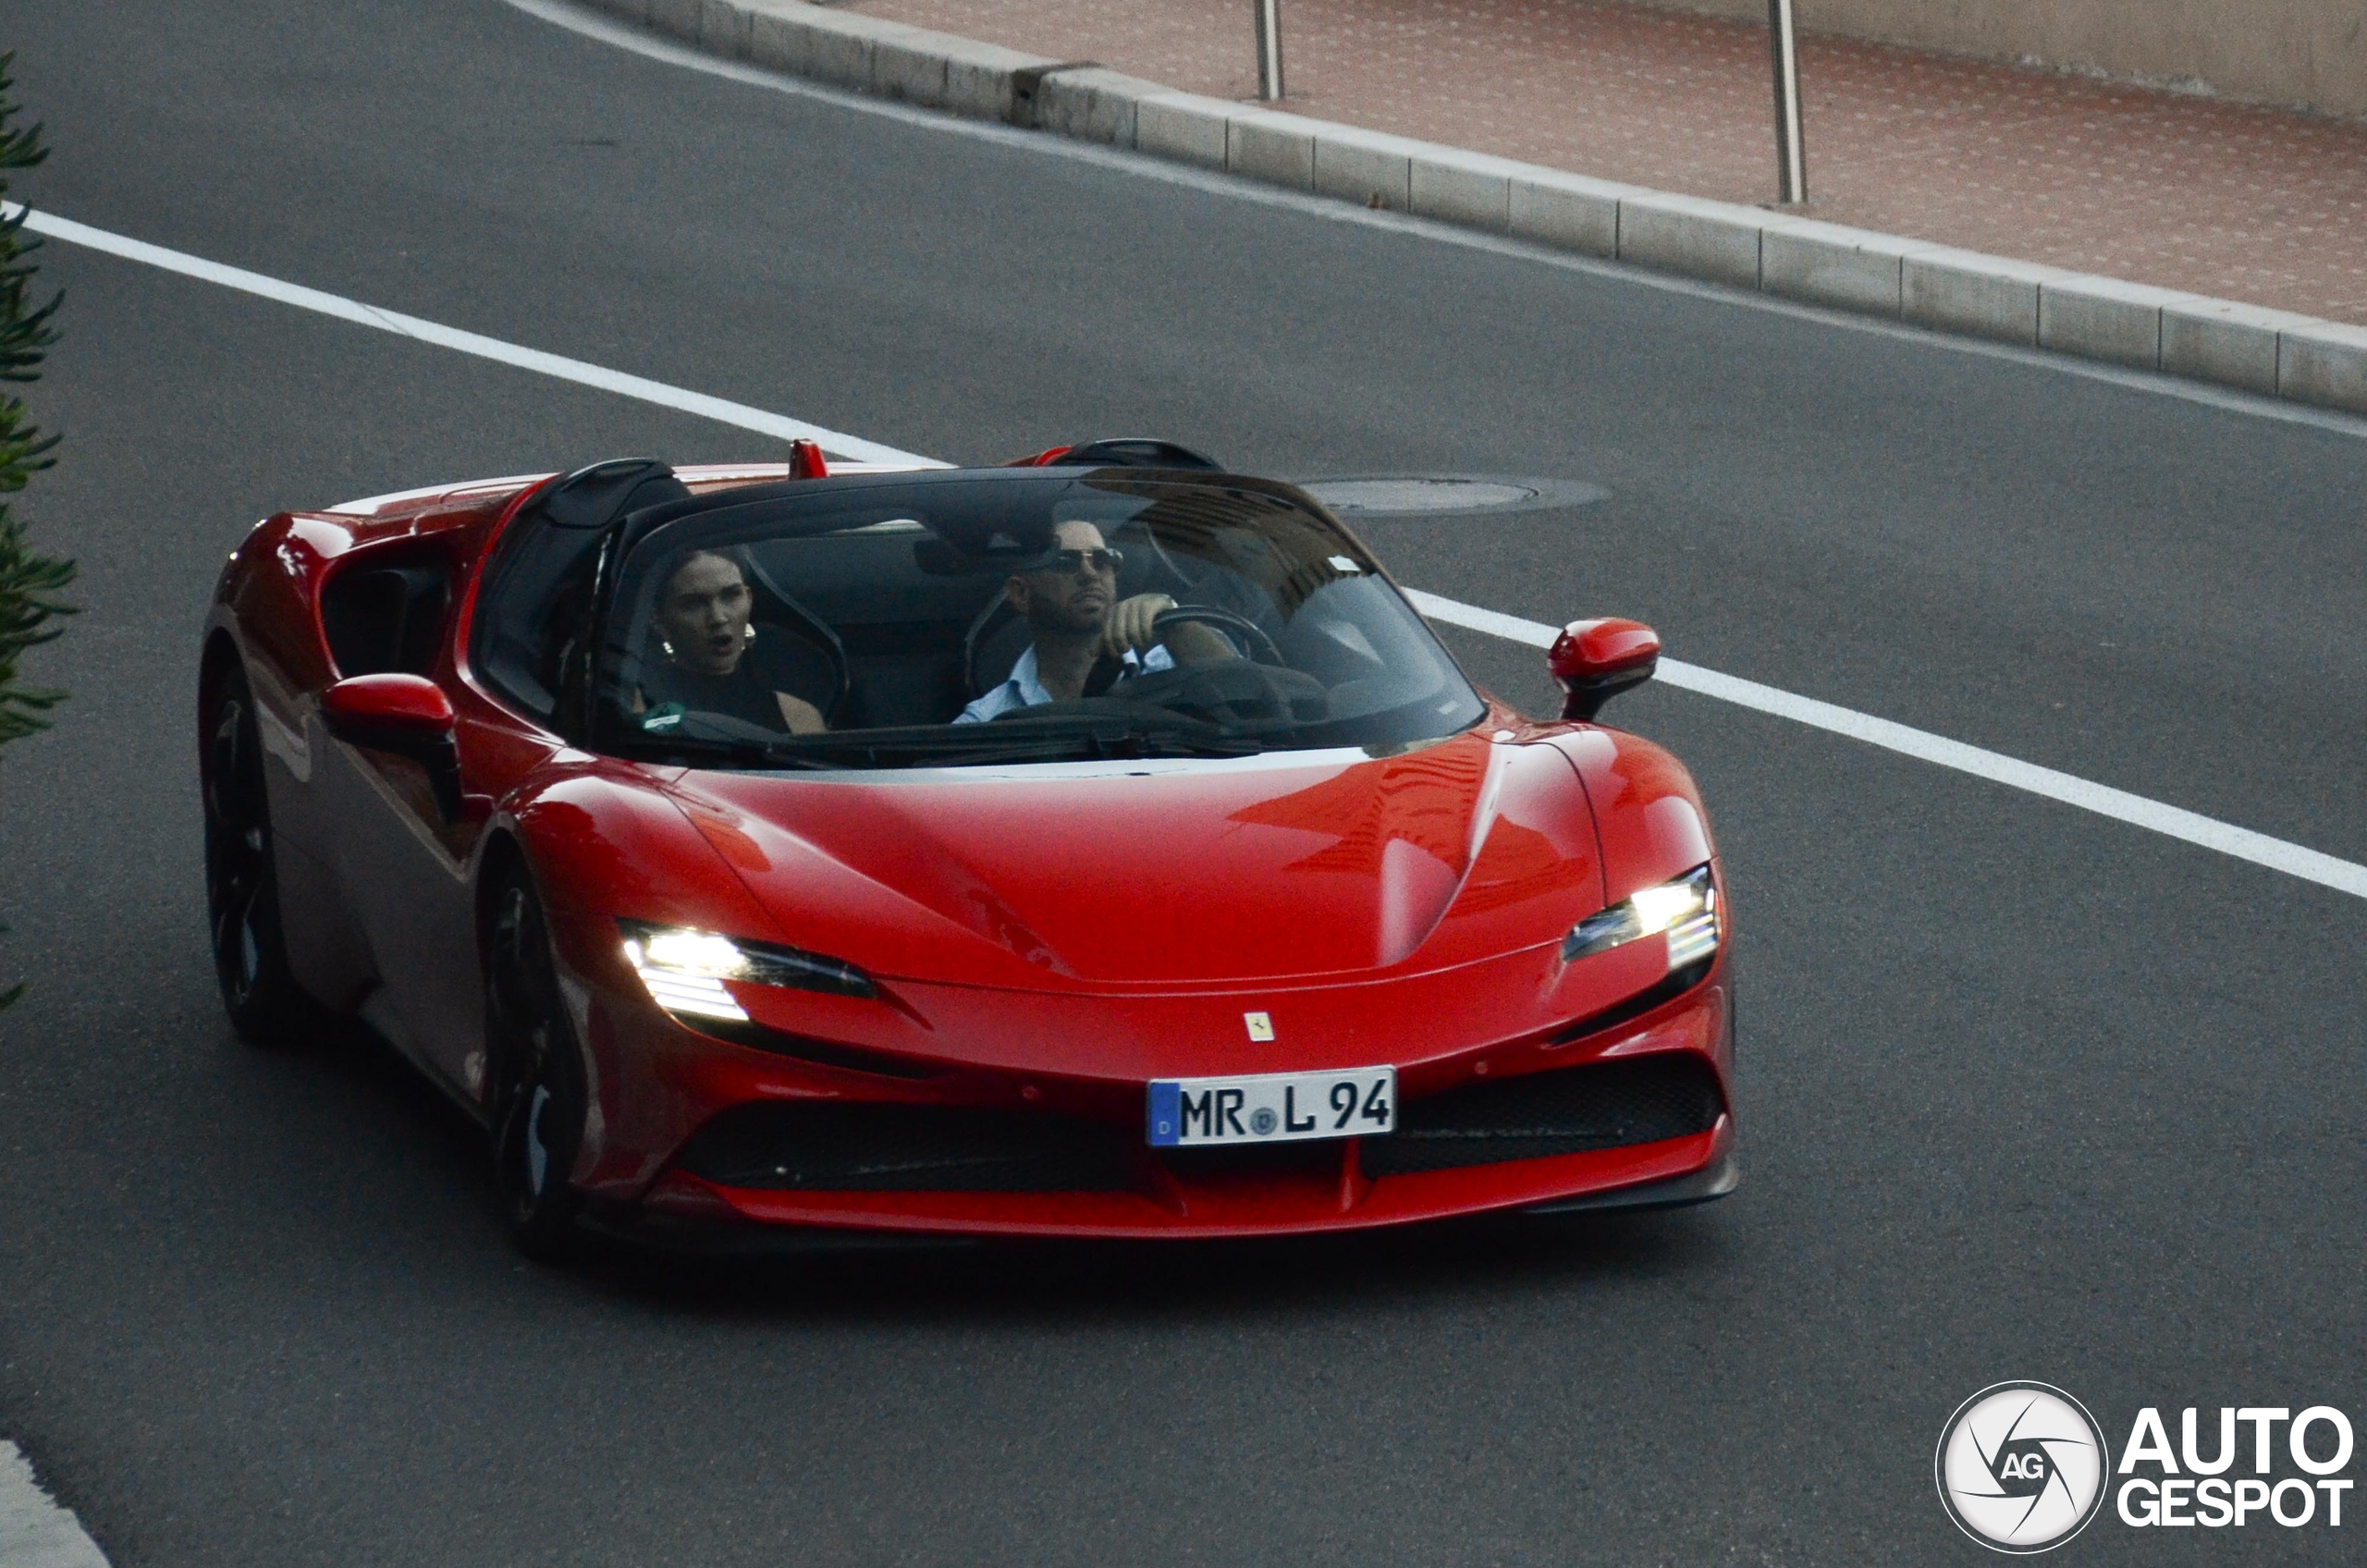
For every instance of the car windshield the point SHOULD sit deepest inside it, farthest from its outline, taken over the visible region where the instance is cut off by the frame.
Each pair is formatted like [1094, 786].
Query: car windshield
[1020, 616]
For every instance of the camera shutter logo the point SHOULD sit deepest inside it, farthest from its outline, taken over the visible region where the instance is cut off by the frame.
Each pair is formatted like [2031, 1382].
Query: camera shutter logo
[2022, 1467]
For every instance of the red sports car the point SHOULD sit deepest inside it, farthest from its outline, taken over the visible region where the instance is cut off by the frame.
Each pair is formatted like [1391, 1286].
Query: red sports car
[1096, 846]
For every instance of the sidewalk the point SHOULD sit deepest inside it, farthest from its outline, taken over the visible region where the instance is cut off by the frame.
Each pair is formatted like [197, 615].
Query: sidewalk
[2177, 191]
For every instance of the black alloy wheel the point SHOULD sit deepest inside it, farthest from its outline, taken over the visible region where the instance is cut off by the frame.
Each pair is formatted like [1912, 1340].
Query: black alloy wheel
[540, 1098]
[259, 991]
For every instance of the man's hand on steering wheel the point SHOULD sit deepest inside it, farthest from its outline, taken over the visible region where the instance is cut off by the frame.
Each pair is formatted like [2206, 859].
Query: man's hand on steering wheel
[1130, 624]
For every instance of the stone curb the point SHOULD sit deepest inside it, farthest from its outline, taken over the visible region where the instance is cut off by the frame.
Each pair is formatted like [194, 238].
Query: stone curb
[2259, 350]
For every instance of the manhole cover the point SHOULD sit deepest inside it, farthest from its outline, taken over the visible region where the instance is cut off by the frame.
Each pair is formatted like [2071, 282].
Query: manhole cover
[1420, 494]
[1405, 494]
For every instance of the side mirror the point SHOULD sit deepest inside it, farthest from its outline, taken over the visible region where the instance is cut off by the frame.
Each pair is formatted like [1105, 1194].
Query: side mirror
[408, 716]
[1593, 661]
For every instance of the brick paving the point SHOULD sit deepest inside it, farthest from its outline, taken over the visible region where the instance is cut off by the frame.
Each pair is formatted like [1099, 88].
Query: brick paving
[2164, 188]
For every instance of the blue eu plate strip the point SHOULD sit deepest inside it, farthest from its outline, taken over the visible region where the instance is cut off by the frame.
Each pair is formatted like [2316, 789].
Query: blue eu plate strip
[1166, 1113]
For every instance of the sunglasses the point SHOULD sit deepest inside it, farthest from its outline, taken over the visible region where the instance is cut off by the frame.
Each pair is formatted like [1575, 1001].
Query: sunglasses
[1101, 560]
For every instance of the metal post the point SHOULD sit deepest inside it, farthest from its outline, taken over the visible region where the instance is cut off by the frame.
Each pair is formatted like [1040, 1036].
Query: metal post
[1791, 156]
[1268, 14]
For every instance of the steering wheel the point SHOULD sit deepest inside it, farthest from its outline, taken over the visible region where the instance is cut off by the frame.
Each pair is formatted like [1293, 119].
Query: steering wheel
[1233, 691]
[1262, 647]
[1108, 667]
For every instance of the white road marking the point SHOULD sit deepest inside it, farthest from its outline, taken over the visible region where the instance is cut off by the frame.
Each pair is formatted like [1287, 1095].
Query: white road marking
[2104, 800]
[35, 1532]
[2294, 860]
[452, 337]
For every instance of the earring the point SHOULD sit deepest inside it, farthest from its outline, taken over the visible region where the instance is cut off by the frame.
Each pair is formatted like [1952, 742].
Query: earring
[748, 633]
[667, 646]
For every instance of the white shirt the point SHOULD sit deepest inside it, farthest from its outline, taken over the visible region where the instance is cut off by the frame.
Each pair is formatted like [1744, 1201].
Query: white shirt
[1024, 690]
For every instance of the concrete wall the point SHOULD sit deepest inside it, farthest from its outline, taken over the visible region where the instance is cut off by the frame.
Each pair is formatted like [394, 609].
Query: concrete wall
[2303, 53]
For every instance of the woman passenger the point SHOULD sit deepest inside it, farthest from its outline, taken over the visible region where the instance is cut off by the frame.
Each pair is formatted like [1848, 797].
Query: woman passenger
[714, 661]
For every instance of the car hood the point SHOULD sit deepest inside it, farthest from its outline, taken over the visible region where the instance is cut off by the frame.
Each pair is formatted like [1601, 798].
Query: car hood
[1158, 873]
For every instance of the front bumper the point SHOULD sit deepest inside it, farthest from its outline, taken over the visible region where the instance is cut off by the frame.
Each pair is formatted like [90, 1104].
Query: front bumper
[1664, 1174]
[1122, 1189]
[1472, 1040]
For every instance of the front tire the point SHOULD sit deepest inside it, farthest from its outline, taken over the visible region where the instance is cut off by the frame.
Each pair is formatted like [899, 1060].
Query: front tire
[259, 989]
[541, 1101]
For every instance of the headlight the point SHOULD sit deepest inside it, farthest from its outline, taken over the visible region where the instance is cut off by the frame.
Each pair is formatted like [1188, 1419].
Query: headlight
[685, 970]
[1687, 909]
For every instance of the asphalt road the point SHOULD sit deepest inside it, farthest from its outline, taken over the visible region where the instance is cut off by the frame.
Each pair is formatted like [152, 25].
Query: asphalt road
[2025, 1092]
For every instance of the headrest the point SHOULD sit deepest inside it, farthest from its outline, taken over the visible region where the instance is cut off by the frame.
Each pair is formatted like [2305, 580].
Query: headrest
[597, 496]
[1136, 451]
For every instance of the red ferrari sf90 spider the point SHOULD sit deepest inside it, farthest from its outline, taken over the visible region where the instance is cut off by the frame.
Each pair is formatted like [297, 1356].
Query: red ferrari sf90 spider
[1096, 846]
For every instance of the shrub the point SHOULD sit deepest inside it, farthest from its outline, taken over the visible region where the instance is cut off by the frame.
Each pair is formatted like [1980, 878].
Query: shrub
[29, 581]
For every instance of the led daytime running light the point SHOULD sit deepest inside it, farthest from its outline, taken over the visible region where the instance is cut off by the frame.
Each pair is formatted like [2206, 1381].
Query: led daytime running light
[1687, 910]
[685, 970]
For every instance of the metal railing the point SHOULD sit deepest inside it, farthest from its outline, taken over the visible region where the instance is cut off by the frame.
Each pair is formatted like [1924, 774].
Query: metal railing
[1267, 15]
[1791, 156]
[1783, 44]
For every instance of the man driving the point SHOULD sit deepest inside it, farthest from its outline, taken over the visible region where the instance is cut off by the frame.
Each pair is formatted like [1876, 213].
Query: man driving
[1069, 599]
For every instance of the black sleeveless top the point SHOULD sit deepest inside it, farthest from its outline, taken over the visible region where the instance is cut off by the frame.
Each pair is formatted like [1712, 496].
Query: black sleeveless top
[772, 663]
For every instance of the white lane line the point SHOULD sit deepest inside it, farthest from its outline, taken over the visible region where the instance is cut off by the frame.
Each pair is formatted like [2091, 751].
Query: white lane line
[2192, 827]
[452, 337]
[2104, 800]
[35, 1532]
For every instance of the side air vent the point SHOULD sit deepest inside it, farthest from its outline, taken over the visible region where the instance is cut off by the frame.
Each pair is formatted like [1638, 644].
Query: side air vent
[386, 619]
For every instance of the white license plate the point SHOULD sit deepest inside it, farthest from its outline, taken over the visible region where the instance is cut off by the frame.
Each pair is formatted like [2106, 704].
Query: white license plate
[1272, 1108]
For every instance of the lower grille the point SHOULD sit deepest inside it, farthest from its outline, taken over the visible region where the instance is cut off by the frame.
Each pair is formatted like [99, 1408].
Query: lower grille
[1569, 1110]
[1314, 1157]
[827, 1146]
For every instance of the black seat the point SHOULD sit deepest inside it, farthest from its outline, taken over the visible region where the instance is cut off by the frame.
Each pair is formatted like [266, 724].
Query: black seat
[991, 646]
[906, 673]
[817, 648]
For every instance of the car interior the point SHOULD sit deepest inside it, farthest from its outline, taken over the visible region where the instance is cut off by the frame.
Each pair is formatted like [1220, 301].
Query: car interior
[895, 624]
[913, 654]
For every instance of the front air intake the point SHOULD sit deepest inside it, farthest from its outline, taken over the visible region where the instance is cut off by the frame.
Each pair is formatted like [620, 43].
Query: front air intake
[803, 1145]
[1569, 1110]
